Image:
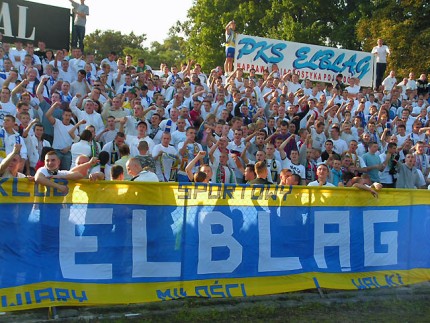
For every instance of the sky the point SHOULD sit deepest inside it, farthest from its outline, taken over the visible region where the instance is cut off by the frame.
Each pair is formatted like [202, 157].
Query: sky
[106, 15]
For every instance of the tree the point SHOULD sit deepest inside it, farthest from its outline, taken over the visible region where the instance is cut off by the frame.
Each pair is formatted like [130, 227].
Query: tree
[170, 52]
[403, 25]
[102, 42]
[204, 38]
[309, 21]
[352, 24]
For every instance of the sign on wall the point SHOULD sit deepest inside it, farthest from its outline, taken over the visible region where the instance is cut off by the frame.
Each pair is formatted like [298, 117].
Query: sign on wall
[33, 22]
[317, 63]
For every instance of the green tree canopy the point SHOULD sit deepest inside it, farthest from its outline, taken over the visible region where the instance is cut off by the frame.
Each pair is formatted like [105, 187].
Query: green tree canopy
[404, 26]
[102, 42]
[318, 22]
[170, 51]
[352, 24]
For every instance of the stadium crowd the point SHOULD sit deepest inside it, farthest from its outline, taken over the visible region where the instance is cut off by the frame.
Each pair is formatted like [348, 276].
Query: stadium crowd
[68, 116]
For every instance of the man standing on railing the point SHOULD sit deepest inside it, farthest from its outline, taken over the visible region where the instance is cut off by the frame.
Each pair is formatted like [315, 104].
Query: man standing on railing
[380, 51]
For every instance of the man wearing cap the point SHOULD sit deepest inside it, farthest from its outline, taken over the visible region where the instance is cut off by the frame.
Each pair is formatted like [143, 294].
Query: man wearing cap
[338, 83]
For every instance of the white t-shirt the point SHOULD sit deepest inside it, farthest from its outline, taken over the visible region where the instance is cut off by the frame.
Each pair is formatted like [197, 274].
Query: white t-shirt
[62, 138]
[163, 164]
[133, 142]
[168, 125]
[177, 137]
[339, 146]
[9, 141]
[17, 57]
[381, 52]
[146, 176]
[47, 174]
[315, 183]
[80, 148]
[5, 109]
[295, 168]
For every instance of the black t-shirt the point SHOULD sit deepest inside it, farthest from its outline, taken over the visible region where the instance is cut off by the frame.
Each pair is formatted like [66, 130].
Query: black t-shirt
[259, 181]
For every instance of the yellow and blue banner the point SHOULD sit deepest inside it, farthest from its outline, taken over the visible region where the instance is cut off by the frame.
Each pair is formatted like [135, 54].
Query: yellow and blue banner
[119, 243]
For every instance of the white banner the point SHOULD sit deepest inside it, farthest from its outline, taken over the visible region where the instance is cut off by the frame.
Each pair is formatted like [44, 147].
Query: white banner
[317, 63]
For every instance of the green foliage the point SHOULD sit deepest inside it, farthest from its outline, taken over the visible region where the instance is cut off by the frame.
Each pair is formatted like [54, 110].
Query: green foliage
[102, 42]
[352, 24]
[404, 27]
[320, 22]
[171, 51]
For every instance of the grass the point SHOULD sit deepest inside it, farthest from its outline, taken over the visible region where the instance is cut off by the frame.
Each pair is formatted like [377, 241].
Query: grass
[275, 311]
[396, 305]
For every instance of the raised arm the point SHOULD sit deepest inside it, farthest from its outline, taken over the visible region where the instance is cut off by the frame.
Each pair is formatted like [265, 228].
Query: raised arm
[50, 111]
[192, 163]
[238, 163]
[85, 167]
[43, 180]
[6, 161]
[243, 153]
[39, 89]
[282, 146]
[6, 82]
[236, 110]
[76, 126]
[310, 122]
[212, 151]
[252, 135]
[269, 139]
[28, 128]
[18, 88]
